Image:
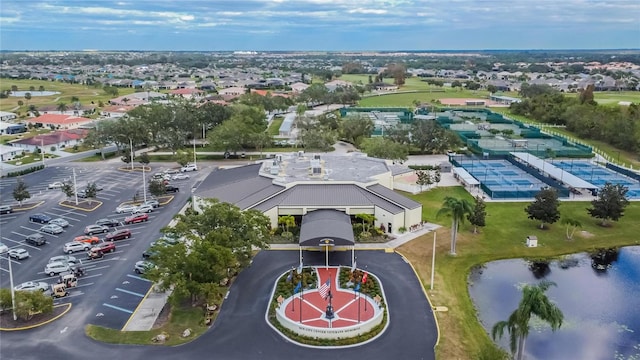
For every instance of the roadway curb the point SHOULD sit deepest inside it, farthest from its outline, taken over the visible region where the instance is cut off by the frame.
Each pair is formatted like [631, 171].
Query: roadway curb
[128, 169]
[61, 203]
[68, 305]
[133, 314]
[426, 295]
[30, 207]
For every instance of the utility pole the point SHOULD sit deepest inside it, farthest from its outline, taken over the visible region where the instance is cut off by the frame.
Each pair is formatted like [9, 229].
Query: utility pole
[42, 150]
[131, 152]
[144, 185]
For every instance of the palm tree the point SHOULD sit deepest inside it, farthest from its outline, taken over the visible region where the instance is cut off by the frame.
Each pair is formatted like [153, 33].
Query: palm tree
[62, 107]
[457, 209]
[534, 302]
[572, 224]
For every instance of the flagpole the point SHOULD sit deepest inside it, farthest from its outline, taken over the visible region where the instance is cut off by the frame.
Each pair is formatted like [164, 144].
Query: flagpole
[300, 307]
[353, 255]
[300, 256]
[326, 257]
[358, 308]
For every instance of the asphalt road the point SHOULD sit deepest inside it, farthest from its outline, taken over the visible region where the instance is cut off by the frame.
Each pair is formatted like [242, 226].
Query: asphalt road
[241, 331]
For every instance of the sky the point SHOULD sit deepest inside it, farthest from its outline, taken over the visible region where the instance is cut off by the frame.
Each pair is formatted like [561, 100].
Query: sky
[320, 25]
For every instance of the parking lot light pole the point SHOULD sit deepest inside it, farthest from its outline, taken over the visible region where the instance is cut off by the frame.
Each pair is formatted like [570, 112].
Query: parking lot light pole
[131, 152]
[75, 185]
[144, 185]
[13, 292]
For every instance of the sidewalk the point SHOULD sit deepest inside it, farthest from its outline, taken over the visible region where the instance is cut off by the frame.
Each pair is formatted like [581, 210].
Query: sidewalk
[150, 307]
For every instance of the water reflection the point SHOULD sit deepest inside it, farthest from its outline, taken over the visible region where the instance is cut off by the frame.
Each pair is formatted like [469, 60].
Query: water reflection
[602, 316]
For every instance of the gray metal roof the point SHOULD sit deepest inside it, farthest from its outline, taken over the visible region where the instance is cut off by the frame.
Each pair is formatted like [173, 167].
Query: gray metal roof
[553, 171]
[324, 224]
[393, 196]
[335, 195]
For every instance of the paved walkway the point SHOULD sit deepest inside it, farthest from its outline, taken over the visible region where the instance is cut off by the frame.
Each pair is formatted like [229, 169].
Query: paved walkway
[149, 309]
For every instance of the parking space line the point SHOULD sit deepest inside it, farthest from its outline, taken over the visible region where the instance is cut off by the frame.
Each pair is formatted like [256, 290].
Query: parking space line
[118, 308]
[130, 292]
[138, 277]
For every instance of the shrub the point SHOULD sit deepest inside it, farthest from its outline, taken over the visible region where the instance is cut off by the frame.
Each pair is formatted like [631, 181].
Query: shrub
[25, 171]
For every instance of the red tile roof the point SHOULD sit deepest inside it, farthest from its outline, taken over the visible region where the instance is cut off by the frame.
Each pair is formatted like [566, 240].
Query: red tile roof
[54, 138]
[58, 119]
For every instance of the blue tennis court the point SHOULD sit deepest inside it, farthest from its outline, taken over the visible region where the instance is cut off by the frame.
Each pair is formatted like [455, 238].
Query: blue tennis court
[500, 179]
[598, 175]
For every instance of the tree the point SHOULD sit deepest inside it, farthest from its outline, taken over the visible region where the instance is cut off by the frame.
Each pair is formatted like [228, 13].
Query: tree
[5, 299]
[91, 191]
[287, 221]
[457, 209]
[218, 240]
[68, 189]
[424, 178]
[572, 224]
[478, 216]
[184, 157]
[534, 302]
[20, 103]
[428, 136]
[27, 96]
[41, 88]
[367, 221]
[62, 107]
[156, 187]
[545, 207]
[29, 303]
[385, 149]
[492, 89]
[126, 156]
[356, 128]
[144, 159]
[20, 192]
[610, 204]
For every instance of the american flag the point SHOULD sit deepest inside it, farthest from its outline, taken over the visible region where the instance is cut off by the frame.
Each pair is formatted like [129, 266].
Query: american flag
[324, 289]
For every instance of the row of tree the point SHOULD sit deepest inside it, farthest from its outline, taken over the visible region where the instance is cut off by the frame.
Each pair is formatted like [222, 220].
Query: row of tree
[617, 125]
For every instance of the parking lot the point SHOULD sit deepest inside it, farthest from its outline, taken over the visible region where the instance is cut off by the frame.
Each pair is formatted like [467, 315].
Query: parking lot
[110, 287]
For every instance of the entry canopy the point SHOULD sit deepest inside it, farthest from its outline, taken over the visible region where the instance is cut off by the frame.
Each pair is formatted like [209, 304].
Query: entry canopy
[326, 227]
[553, 171]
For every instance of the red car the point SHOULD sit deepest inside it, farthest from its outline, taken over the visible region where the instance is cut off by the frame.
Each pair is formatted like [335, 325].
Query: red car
[119, 234]
[105, 246]
[87, 239]
[137, 218]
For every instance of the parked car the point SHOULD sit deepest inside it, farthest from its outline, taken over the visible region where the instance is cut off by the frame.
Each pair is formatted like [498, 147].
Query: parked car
[189, 167]
[160, 177]
[142, 266]
[3, 248]
[105, 246]
[180, 177]
[56, 268]
[6, 209]
[108, 222]
[126, 208]
[52, 229]
[171, 171]
[87, 239]
[119, 234]
[136, 219]
[95, 229]
[171, 188]
[82, 194]
[153, 203]
[143, 209]
[56, 185]
[35, 239]
[32, 286]
[60, 222]
[18, 254]
[75, 246]
[95, 254]
[71, 260]
[40, 218]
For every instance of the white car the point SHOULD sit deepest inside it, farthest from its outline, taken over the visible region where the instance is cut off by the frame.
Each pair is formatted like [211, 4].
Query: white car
[189, 167]
[51, 229]
[3, 248]
[126, 208]
[180, 177]
[56, 268]
[171, 171]
[75, 246]
[18, 254]
[60, 222]
[71, 260]
[32, 285]
[143, 209]
[56, 185]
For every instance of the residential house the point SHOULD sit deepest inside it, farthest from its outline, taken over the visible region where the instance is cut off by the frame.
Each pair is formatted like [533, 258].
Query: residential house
[232, 91]
[6, 116]
[58, 121]
[188, 93]
[298, 87]
[8, 153]
[56, 139]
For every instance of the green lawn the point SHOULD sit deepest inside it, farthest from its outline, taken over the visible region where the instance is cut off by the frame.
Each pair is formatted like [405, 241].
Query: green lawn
[274, 128]
[425, 96]
[462, 336]
[614, 97]
[86, 94]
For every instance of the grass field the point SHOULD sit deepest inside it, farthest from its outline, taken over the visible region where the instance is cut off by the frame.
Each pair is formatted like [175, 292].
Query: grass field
[462, 336]
[86, 94]
[425, 97]
[274, 127]
[614, 97]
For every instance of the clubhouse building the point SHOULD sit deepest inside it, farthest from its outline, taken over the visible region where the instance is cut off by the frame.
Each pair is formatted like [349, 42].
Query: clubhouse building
[298, 184]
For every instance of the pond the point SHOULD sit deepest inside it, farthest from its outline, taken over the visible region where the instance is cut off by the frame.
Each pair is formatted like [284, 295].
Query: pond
[33, 93]
[599, 295]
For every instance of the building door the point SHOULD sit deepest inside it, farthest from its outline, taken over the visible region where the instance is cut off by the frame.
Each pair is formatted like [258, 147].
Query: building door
[389, 228]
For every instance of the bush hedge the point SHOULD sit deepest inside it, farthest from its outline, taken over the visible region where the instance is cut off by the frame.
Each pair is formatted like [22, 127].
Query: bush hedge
[25, 171]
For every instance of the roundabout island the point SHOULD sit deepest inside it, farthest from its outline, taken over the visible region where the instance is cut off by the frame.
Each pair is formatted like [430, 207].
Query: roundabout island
[333, 305]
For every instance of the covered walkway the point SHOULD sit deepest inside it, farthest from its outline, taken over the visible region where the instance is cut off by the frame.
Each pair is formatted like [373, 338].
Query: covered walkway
[552, 171]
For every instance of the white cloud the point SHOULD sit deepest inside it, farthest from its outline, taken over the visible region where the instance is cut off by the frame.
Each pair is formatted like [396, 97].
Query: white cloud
[367, 11]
